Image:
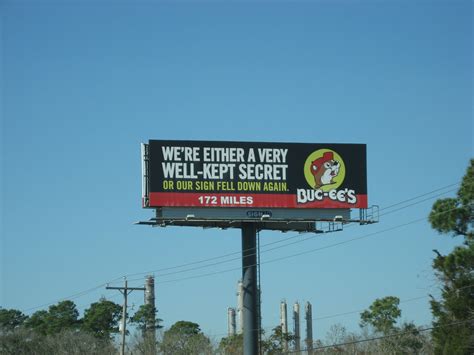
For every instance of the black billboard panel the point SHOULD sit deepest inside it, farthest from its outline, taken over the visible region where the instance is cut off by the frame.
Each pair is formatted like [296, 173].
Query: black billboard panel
[256, 174]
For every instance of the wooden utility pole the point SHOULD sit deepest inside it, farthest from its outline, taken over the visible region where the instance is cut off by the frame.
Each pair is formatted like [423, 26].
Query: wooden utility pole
[125, 291]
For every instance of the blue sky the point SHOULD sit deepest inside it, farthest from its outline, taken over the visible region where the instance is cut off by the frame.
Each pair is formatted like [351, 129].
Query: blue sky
[84, 83]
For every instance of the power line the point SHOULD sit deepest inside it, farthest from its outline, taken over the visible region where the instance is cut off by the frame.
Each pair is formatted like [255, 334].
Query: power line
[74, 296]
[422, 195]
[265, 245]
[401, 301]
[412, 204]
[87, 291]
[82, 293]
[415, 203]
[310, 250]
[361, 310]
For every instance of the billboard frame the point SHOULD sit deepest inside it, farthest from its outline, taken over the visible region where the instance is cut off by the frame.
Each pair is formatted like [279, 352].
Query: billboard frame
[250, 220]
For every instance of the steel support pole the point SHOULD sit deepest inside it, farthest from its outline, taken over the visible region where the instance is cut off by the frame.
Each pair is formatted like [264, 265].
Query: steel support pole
[249, 280]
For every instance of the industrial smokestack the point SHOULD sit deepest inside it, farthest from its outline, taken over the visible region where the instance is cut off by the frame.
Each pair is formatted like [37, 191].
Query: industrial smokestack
[231, 321]
[240, 306]
[296, 325]
[308, 310]
[150, 300]
[284, 323]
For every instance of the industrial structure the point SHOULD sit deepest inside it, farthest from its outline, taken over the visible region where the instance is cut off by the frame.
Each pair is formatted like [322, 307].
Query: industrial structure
[296, 325]
[308, 311]
[284, 323]
[150, 301]
[231, 326]
[240, 306]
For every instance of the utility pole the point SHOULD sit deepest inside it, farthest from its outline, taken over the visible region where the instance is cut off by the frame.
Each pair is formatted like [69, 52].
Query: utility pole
[125, 291]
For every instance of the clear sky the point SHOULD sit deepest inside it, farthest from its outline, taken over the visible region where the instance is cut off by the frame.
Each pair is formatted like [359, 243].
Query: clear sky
[83, 83]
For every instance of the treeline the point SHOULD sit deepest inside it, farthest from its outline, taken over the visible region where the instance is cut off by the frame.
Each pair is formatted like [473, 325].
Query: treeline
[59, 330]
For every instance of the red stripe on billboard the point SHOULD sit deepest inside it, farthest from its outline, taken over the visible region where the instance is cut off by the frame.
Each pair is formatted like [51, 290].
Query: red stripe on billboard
[188, 199]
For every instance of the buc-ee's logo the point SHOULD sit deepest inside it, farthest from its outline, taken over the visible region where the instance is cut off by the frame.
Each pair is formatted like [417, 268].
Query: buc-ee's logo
[324, 170]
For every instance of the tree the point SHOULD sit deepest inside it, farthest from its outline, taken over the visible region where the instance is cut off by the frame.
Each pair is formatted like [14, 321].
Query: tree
[278, 342]
[406, 339]
[454, 312]
[185, 338]
[38, 322]
[11, 319]
[232, 345]
[382, 314]
[145, 316]
[61, 316]
[410, 340]
[147, 322]
[101, 318]
[25, 341]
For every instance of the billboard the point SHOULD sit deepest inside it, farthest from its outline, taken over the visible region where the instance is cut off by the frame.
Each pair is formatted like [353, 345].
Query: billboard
[255, 175]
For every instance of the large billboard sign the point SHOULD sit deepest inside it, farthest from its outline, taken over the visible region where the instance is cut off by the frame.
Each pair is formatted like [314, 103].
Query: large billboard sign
[255, 175]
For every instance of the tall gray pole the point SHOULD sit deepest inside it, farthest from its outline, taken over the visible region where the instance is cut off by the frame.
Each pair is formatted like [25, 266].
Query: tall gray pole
[249, 281]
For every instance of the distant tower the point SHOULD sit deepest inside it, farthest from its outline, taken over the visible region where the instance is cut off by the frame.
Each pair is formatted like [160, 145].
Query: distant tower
[240, 306]
[150, 300]
[231, 321]
[296, 322]
[309, 327]
[284, 323]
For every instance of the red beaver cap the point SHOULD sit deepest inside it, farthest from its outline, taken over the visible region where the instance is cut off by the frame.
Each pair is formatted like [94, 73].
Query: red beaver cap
[326, 157]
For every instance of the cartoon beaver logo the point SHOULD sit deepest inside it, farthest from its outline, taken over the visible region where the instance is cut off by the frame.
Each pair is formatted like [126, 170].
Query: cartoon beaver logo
[324, 169]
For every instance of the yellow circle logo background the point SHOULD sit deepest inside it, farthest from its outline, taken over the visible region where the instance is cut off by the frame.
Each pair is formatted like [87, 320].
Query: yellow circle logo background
[337, 179]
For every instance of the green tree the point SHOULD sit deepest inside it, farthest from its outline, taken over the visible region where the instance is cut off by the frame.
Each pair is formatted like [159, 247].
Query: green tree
[454, 312]
[382, 314]
[38, 322]
[232, 345]
[11, 319]
[60, 316]
[278, 342]
[185, 338]
[145, 316]
[410, 341]
[101, 318]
